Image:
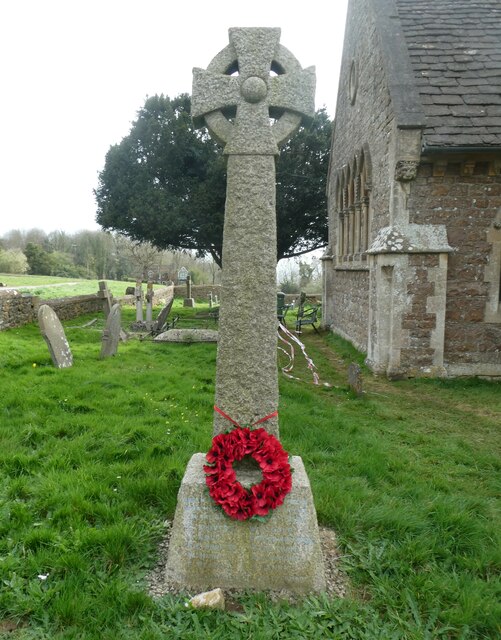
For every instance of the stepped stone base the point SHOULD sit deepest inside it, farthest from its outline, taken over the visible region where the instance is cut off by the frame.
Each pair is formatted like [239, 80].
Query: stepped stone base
[189, 302]
[208, 549]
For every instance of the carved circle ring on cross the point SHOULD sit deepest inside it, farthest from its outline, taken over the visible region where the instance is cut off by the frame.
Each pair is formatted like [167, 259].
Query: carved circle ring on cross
[277, 87]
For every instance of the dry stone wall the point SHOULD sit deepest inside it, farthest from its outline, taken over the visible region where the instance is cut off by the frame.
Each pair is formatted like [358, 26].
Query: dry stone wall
[17, 309]
[74, 306]
[199, 292]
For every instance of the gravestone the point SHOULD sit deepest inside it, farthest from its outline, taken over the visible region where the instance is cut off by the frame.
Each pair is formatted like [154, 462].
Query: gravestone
[182, 274]
[161, 320]
[149, 305]
[210, 300]
[111, 332]
[105, 295]
[355, 378]
[188, 301]
[53, 334]
[139, 301]
[208, 549]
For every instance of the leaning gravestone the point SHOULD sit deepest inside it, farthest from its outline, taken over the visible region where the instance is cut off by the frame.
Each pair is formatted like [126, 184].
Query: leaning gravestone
[161, 320]
[111, 333]
[207, 548]
[53, 334]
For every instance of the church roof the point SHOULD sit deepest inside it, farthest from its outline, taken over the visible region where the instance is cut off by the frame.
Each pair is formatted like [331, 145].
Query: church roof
[455, 55]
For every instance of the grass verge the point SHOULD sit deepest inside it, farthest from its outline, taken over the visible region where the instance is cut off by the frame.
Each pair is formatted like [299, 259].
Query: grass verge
[91, 459]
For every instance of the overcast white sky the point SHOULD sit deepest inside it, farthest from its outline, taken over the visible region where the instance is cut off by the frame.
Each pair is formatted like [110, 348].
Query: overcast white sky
[75, 72]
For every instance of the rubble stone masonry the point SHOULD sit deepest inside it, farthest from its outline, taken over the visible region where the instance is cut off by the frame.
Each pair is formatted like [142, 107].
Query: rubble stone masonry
[466, 197]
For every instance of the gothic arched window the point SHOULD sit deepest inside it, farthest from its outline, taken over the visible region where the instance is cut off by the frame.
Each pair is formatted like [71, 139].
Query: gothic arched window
[352, 207]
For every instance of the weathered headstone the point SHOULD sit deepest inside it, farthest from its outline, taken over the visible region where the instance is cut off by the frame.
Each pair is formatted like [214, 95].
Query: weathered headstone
[139, 301]
[161, 320]
[208, 549]
[211, 302]
[188, 301]
[149, 305]
[355, 378]
[111, 332]
[105, 295]
[53, 334]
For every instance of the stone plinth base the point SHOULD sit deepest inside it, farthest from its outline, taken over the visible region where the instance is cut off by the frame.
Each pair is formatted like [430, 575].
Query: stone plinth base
[208, 549]
[189, 302]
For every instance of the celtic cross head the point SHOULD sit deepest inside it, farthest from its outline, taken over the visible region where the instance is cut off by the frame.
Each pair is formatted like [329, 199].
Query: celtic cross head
[254, 93]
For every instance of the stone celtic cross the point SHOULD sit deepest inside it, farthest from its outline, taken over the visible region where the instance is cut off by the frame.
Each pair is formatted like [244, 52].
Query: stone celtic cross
[252, 97]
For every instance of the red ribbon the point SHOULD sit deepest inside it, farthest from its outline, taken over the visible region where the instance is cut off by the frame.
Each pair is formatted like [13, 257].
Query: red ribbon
[225, 415]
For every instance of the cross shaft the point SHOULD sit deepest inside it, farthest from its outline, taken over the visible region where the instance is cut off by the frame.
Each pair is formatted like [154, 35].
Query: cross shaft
[247, 377]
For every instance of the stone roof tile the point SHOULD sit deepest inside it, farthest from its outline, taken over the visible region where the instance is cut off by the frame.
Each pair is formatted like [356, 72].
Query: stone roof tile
[455, 52]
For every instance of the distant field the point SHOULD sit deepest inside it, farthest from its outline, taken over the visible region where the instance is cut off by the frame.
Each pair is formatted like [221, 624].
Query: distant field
[53, 287]
[12, 280]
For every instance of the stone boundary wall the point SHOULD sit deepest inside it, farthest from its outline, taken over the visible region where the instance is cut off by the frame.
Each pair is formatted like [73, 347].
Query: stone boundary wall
[72, 307]
[201, 292]
[198, 291]
[17, 309]
[159, 296]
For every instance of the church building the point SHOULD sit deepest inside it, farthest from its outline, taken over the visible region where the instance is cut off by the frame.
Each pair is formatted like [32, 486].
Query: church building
[412, 271]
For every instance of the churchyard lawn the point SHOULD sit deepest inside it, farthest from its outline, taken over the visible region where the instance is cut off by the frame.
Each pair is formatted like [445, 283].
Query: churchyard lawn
[91, 458]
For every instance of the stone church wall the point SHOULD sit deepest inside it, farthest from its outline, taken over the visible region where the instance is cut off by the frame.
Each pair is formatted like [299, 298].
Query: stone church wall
[364, 108]
[351, 300]
[466, 197]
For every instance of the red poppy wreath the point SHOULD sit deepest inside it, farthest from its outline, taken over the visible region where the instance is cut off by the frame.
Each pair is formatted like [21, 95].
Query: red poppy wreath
[224, 488]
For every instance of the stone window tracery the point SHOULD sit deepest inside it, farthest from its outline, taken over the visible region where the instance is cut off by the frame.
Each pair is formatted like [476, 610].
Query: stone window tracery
[352, 207]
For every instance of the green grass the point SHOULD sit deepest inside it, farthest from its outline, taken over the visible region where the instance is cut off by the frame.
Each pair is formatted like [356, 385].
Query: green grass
[62, 287]
[91, 459]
